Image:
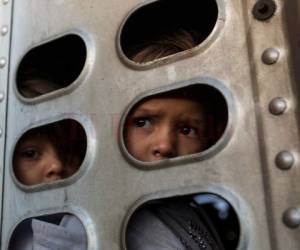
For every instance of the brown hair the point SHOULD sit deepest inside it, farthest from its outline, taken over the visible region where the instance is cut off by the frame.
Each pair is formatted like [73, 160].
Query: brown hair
[211, 102]
[164, 46]
[36, 87]
[69, 140]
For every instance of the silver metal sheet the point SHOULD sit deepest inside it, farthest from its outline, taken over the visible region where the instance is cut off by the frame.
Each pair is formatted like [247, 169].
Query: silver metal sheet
[5, 32]
[109, 187]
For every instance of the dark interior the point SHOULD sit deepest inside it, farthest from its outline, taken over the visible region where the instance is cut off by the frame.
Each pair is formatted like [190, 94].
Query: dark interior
[59, 61]
[166, 16]
[213, 210]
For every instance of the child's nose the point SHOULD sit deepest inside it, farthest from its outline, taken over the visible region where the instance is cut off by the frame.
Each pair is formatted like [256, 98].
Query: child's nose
[53, 170]
[164, 144]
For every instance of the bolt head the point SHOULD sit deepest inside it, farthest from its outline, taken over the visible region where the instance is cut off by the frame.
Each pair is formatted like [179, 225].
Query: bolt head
[284, 160]
[2, 96]
[291, 217]
[277, 106]
[270, 56]
[4, 30]
[2, 62]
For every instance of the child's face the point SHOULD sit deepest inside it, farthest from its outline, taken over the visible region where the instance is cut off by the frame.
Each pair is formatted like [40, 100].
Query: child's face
[36, 161]
[165, 127]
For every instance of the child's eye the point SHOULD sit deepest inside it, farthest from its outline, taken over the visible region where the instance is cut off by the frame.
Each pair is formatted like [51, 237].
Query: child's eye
[189, 131]
[142, 122]
[30, 153]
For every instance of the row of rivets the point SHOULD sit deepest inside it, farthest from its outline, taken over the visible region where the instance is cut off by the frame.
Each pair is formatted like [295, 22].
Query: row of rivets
[284, 159]
[4, 31]
[263, 10]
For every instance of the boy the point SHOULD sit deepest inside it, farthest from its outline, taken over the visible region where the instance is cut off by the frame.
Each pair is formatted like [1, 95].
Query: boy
[177, 123]
[168, 125]
[49, 152]
[36, 159]
[161, 127]
[44, 155]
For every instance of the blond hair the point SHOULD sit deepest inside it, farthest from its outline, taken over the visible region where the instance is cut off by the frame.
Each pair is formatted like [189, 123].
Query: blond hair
[165, 45]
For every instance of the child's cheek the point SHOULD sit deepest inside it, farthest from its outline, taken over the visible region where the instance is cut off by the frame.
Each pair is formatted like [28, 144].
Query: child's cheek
[138, 133]
[191, 145]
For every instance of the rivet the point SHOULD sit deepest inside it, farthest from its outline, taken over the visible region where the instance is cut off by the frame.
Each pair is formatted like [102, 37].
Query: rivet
[291, 217]
[5, 1]
[284, 160]
[1, 132]
[4, 30]
[2, 96]
[2, 62]
[277, 106]
[270, 56]
[264, 9]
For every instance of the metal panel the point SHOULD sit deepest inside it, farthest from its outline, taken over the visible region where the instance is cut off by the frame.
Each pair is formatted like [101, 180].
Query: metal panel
[278, 132]
[5, 27]
[110, 187]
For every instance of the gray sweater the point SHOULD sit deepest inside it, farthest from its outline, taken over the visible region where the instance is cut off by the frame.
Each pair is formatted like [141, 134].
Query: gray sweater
[147, 232]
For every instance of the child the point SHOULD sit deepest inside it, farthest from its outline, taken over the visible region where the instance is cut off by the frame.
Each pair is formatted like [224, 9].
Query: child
[43, 155]
[177, 123]
[168, 125]
[62, 142]
[161, 127]
[49, 153]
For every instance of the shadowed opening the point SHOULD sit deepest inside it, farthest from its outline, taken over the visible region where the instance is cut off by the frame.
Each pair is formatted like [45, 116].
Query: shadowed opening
[51, 66]
[198, 221]
[160, 20]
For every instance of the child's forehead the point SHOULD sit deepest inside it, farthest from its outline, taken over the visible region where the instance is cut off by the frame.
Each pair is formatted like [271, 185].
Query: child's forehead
[37, 136]
[166, 102]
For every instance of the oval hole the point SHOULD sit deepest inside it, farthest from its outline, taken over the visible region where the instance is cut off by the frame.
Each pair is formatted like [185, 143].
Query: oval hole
[55, 231]
[169, 223]
[166, 27]
[51, 66]
[49, 153]
[175, 123]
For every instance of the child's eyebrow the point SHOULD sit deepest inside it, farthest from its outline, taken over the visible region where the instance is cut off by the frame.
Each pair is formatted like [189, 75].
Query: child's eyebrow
[27, 144]
[194, 118]
[146, 111]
